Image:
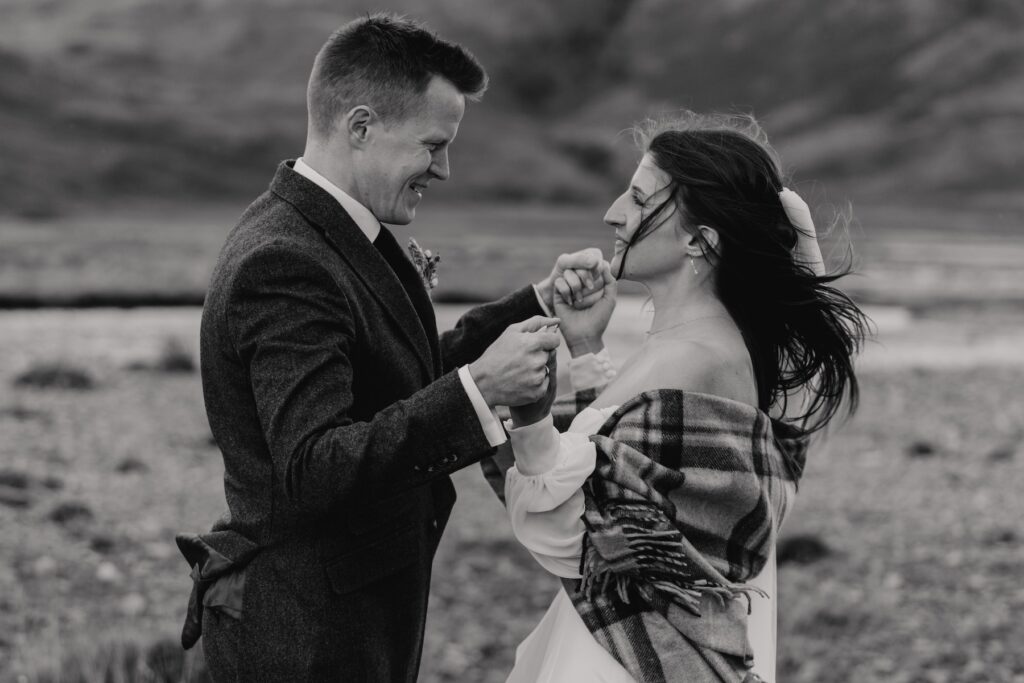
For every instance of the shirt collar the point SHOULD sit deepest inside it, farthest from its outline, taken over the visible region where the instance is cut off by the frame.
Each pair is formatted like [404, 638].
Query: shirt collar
[366, 221]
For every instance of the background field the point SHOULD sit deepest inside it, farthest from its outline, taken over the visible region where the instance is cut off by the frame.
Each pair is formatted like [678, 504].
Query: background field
[922, 256]
[901, 562]
[903, 552]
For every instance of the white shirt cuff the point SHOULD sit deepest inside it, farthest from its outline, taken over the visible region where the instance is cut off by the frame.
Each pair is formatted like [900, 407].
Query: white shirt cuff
[543, 305]
[489, 421]
[535, 446]
[591, 370]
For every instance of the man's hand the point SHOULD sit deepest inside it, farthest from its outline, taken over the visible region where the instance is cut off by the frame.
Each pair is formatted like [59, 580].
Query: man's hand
[529, 413]
[514, 369]
[580, 270]
[583, 328]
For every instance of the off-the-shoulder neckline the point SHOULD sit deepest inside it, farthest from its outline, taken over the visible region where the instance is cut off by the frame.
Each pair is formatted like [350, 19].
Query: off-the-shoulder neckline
[652, 393]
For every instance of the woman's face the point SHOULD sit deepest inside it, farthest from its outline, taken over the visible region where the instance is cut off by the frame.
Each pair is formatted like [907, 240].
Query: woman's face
[662, 251]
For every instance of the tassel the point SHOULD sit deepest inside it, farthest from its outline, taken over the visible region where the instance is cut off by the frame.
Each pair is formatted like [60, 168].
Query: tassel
[622, 588]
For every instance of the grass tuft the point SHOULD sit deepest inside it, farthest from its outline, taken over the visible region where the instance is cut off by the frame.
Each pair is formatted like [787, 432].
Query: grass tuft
[22, 414]
[131, 465]
[174, 358]
[102, 544]
[921, 449]
[1004, 453]
[56, 375]
[15, 498]
[53, 483]
[802, 549]
[71, 512]
[125, 660]
[14, 479]
[166, 660]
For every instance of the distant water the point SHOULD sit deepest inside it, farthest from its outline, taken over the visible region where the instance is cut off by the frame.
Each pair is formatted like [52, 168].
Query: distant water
[119, 337]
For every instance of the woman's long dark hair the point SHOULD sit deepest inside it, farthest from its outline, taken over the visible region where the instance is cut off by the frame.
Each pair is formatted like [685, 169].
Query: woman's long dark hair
[800, 331]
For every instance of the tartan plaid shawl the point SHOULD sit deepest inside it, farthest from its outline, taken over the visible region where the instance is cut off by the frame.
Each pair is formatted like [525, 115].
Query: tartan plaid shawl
[684, 504]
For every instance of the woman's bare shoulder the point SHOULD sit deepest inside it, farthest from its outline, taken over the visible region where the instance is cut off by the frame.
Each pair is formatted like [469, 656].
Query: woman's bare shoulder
[688, 365]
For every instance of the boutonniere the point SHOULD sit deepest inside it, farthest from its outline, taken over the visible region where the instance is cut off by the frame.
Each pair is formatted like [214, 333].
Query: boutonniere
[425, 262]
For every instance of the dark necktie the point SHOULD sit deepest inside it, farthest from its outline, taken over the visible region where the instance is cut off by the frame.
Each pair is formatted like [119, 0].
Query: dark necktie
[406, 272]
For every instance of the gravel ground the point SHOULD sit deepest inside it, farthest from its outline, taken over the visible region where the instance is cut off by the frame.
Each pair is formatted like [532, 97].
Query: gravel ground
[905, 543]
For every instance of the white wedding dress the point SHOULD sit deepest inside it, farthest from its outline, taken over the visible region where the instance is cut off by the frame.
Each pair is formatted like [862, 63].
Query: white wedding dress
[545, 506]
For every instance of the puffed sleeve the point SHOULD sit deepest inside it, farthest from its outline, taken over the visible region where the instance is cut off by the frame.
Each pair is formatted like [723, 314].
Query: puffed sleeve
[543, 490]
[591, 370]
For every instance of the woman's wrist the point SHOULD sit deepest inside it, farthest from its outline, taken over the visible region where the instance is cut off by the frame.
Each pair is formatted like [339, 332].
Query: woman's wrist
[535, 446]
[581, 347]
[591, 370]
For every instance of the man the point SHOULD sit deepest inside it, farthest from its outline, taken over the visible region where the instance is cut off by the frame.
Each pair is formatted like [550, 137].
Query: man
[339, 412]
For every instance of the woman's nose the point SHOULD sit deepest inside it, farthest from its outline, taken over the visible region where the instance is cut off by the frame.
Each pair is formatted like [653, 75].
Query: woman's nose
[614, 216]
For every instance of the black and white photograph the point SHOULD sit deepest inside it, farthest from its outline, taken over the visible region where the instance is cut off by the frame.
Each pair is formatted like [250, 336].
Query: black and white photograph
[604, 341]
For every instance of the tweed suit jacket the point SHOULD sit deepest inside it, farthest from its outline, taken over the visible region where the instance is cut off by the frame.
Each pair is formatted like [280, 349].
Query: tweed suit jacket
[339, 415]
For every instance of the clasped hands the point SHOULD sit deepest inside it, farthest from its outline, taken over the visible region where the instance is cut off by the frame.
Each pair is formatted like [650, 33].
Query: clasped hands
[518, 370]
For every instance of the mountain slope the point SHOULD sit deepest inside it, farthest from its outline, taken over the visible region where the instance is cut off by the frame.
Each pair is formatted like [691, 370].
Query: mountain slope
[124, 100]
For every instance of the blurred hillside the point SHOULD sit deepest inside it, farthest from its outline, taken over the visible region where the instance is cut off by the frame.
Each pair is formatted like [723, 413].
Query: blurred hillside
[196, 100]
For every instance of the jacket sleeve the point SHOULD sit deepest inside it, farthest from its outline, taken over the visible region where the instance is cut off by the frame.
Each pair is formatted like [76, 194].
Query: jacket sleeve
[480, 326]
[292, 328]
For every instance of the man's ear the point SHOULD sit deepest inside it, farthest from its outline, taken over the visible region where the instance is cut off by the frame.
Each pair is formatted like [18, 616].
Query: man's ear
[358, 122]
[703, 242]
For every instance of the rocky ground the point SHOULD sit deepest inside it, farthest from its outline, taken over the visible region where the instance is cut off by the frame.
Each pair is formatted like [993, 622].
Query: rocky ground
[900, 562]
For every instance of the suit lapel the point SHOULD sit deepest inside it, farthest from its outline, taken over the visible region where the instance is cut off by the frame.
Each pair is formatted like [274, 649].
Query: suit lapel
[414, 287]
[345, 237]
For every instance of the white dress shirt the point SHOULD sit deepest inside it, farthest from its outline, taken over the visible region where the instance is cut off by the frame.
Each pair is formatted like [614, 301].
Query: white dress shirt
[370, 226]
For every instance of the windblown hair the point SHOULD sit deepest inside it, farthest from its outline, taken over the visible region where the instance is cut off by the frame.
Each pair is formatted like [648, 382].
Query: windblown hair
[385, 62]
[801, 332]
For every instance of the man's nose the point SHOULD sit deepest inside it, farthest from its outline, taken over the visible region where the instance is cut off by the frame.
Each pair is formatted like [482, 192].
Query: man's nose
[439, 168]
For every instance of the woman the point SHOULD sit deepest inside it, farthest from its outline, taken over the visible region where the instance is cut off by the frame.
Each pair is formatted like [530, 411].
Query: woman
[665, 494]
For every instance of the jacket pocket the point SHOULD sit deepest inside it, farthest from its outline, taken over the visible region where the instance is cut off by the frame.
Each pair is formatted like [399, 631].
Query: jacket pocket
[381, 558]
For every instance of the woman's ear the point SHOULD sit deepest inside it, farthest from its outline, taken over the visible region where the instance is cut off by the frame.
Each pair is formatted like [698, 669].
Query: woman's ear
[703, 242]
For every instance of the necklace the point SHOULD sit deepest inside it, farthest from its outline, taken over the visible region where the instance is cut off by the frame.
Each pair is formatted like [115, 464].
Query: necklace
[651, 333]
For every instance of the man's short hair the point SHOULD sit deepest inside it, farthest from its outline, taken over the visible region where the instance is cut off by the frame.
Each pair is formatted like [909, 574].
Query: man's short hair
[386, 62]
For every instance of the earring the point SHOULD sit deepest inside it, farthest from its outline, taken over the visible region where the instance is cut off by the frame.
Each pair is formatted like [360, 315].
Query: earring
[693, 264]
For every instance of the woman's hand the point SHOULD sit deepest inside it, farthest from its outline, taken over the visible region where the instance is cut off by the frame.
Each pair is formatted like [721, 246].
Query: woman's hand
[807, 251]
[535, 412]
[584, 320]
[583, 267]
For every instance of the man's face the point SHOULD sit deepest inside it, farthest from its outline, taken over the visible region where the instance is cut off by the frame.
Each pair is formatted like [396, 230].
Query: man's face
[402, 157]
